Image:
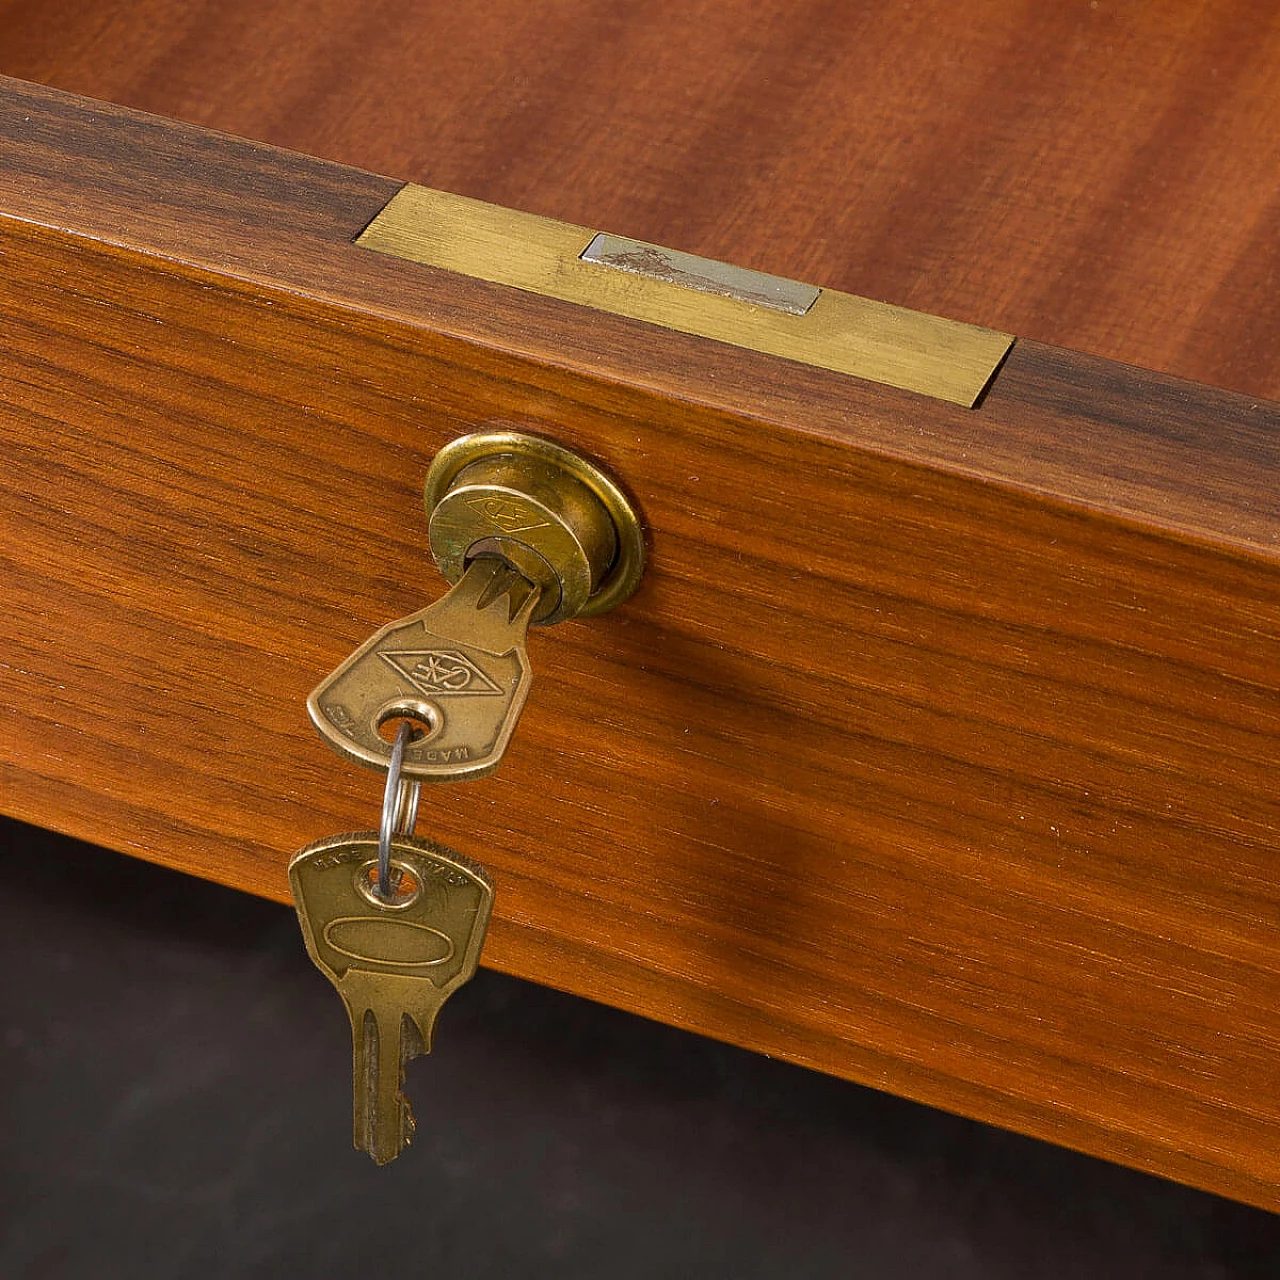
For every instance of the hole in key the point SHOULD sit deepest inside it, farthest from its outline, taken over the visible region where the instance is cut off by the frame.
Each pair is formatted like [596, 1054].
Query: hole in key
[405, 886]
[423, 719]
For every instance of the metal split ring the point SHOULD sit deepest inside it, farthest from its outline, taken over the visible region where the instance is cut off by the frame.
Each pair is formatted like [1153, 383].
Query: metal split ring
[399, 810]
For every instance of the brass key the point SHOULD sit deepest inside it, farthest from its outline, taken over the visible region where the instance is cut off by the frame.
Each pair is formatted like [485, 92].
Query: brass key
[457, 671]
[527, 532]
[394, 961]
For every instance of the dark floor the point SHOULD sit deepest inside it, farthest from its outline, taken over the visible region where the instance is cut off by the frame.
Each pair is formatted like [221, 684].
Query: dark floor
[176, 1104]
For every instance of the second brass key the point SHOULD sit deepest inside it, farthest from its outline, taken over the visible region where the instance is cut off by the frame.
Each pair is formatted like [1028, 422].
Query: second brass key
[393, 960]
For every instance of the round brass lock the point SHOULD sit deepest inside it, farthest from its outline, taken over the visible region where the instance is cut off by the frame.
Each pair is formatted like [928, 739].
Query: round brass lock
[550, 513]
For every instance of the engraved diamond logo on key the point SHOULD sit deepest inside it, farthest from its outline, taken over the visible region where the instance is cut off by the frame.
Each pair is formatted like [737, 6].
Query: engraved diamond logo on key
[421, 668]
[441, 672]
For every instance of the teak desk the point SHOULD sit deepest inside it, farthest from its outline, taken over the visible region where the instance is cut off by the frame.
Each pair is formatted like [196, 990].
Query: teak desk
[939, 747]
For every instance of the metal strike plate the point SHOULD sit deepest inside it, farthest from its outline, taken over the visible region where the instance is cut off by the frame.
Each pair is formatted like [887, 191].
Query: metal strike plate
[757, 312]
[557, 518]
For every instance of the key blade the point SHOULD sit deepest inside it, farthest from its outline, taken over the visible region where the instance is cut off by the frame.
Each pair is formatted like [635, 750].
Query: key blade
[392, 1021]
[458, 668]
[491, 604]
[382, 1043]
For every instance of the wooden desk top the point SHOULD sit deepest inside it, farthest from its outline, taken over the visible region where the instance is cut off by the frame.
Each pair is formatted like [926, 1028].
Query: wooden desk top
[1099, 176]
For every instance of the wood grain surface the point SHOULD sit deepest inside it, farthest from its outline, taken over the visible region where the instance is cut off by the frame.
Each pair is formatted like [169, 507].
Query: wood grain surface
[937, 749]
[1097, 175]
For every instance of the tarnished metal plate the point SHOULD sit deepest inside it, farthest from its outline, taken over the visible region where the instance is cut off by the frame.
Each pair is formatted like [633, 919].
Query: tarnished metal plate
[821, 327]
[704, 274]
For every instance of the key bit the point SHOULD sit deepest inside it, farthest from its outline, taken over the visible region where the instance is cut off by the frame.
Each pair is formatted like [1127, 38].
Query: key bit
[393, 961]
[457, 670]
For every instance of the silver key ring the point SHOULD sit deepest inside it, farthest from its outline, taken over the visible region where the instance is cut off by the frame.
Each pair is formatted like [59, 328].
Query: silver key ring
[399, 810]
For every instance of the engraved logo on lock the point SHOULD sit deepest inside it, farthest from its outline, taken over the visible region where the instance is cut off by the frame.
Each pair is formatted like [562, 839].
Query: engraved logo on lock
[439, 672]
[508, 515]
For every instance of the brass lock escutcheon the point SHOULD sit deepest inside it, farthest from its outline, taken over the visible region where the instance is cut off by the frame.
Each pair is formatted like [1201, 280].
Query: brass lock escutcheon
[527, 532]
[548, 512]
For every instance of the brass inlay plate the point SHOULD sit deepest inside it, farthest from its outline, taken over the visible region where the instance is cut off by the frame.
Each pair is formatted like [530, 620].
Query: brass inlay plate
[839, 331]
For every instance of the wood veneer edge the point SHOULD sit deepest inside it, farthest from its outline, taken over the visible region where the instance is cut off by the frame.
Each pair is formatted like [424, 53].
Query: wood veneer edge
[1217, 481]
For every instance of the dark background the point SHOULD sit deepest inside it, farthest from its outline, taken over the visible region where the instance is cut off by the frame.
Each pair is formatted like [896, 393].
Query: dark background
[176, 1103]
